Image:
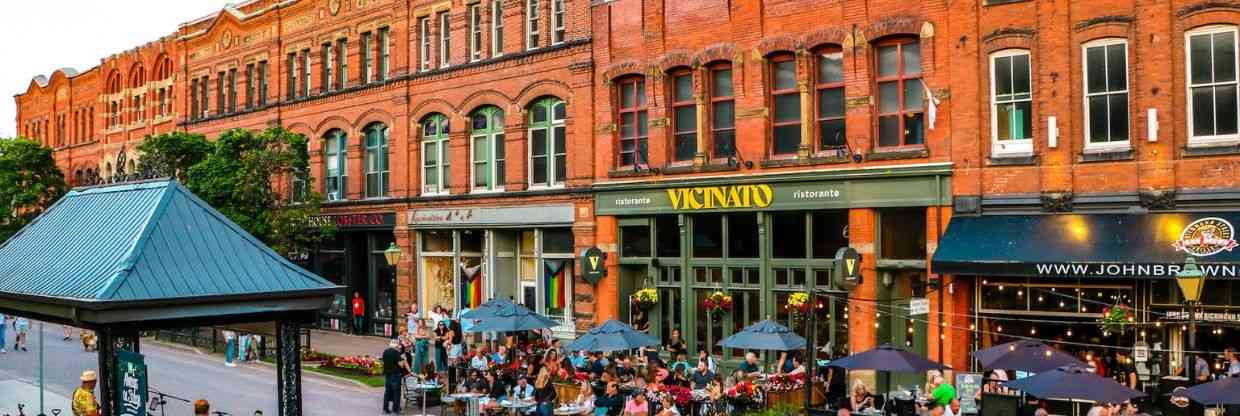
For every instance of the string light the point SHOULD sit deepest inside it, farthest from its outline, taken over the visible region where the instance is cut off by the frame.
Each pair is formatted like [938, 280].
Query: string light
[1069, 331]
[1033, 331]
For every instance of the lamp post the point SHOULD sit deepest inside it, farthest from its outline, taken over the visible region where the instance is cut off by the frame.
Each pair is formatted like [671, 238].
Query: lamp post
[1191, 280]
[392, 255]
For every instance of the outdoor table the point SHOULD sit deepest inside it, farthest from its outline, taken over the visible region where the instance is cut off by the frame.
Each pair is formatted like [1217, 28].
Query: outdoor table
[472, 405]
[571, 409]
[516, 407]
[423, 388]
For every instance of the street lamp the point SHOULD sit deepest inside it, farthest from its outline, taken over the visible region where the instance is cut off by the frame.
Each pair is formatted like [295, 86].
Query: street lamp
[392, 255]
[1191, 280]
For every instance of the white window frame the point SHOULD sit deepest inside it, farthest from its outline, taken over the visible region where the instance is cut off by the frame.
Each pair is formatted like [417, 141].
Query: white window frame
[364, 63]
[475, 32]
[1011, 147]
[445, 39]
[1113, 145]
[531, 24]
[442, 161]
[490, 140]
[1188, 81]
[424, 27]
[497, 28]
[559, 16]
[552, 123]
[382, 64]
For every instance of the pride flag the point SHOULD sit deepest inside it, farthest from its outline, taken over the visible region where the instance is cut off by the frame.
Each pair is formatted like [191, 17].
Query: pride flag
[556, 282]
[471, 293]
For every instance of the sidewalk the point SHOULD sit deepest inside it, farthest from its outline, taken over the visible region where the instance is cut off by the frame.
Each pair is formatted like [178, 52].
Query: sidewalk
[341, 344]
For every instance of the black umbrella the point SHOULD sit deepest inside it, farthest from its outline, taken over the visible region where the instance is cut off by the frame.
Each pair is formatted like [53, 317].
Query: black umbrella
[509, 317]
[1025, 355]
[612, 335]
[1074, 383]
[765, 335]
[1216, 393]
[887, 358]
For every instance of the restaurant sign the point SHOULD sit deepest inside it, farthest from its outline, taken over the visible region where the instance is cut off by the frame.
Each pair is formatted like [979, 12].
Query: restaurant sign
[366, 220]
[743, 195]
[131, 390]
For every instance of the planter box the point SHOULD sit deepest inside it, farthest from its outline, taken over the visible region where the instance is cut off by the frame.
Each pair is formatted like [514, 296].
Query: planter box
[566, 392]
[796, 398]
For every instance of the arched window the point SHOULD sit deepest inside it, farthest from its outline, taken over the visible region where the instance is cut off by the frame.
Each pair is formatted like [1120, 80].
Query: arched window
[114, 103]
[335, 165]
[376, 160]
[548, 150]
[107, 170]
[486, 138]
[631, 111]
[77, 177]
[137, 105]
[435, 161]
[786, 101]
[300, 179]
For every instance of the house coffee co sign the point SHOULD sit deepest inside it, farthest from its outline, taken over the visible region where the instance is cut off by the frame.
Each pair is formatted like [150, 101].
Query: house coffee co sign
[366, 220]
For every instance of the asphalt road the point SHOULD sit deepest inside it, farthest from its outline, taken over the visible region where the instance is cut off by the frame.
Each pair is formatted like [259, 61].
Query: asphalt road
[179, 372]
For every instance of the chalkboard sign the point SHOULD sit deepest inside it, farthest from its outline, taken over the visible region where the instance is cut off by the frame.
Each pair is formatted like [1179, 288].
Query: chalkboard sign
[967, 386]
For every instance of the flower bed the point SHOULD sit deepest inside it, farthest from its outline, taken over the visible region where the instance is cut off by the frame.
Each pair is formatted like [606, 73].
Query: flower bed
[362, 365]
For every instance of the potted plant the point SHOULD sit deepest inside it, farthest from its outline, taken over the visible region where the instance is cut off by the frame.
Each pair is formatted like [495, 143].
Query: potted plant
[645, 298]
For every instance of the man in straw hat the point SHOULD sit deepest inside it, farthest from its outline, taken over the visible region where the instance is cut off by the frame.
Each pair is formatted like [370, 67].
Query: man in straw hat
[84, 403]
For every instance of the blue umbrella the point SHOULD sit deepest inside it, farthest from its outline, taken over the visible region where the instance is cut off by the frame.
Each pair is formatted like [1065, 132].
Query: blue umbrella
[1025, 355]
[1074, 383]
[887, 358]
[486, 309]
[510, 317]
[612, 335]
[765, 335]
[1216, 393]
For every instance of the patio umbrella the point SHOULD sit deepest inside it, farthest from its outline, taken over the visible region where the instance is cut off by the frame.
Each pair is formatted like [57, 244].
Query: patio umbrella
[887, 358]
[612, 335]
[1216, 393]
[765, 335]
[1025, 355]
[510, 317]
[1074, 383]
[486, 309]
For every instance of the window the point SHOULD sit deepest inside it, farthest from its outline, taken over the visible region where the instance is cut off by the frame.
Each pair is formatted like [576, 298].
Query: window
[445, 40]
[497, 28]
[899, 93]
[558, 17]
[325, 68]
[722, 111]
[786, 99]
[684, 116]
[193, 102]
[632, 115]
[384, 53]
[531, 24]
[1011, 117]
[300, 181]
[475, 32]
[335, 162]
[435, 154]
[829, 86]
[1106, 93]
[376, 160]
[424, 29]
[1212, 84]
[232, 90]
[292, 75]
[262, 83]
[342, 63]
[487, 148]
[548, 153]
[305, 72]
[203, 94]
[219, 93]
[365, 58]
[249, 87]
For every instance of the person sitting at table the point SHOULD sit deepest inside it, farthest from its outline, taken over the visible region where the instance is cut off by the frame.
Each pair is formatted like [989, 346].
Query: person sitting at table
[861, 398]
[523, 391]
[935, 409]
[597, 364]
[611, 404]
[496, 389]
[952, 409]
[675, 345]
[784, 364]
[639, 382]
[578, 360]
[500, 357]
[737, 376]
[750, 367]
[669, 406]
[797, 366]
[625, 371]
[545, 393]
[704, 356]
[585, 398]
[702, 376]
[681, 362]
[637, 406]
[661, 378]
[479, 362]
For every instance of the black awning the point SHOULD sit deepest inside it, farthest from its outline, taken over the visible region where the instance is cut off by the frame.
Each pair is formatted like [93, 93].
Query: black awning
[1090, 245]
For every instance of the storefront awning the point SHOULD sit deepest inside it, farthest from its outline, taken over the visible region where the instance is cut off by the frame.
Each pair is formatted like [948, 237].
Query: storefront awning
[1090, 245]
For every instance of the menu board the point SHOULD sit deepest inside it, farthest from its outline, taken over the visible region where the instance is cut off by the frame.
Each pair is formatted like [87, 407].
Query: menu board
[967, 386]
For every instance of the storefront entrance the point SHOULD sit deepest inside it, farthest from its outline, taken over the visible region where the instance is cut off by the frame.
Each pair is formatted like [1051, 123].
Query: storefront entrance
[354, 259]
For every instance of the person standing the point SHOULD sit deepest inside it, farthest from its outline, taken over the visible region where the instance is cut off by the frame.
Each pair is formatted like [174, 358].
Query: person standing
[22, 326]
[943, 393]
[1125, 373]
[359, 313]
[1202, 369]
[230, 348]
[1229, 353]
[411, 319]
[394, 366]
[3, 322]
[67, 332]
[243, 347]
[84, 403]
[421, 344]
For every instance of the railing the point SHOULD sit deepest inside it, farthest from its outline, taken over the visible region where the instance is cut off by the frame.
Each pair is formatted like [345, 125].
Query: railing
[212, 338]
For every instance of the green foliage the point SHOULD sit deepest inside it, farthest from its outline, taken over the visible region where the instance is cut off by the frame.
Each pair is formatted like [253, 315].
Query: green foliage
[174, 153]
[29, 183]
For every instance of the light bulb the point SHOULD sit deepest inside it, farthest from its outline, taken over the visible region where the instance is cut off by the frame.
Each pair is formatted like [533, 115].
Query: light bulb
[1069, 332]
[1033, 331]
[1000, 328]
[972, 327]
[1020, 293]
[876, 325]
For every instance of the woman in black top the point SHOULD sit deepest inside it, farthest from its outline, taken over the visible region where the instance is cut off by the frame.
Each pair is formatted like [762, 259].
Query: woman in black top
[441, 353]
[676, 345]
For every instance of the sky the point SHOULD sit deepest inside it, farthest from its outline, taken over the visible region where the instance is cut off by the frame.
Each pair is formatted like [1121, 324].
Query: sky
[47, 34]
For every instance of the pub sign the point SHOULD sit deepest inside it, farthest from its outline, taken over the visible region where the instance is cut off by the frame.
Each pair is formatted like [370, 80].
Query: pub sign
[593, 265]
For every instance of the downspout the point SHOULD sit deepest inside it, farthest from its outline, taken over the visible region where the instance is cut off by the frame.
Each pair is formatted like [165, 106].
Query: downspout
[938, 240]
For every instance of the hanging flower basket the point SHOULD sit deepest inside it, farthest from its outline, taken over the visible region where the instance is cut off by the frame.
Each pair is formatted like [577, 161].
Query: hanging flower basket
[645, 298]
[1116, 319]
[717, 304]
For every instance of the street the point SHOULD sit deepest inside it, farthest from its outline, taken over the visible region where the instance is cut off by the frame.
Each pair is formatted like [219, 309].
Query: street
[174, 371]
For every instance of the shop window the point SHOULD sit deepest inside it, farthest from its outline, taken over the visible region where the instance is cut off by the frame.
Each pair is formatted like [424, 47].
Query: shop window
[437, 241]
[332, 266]
[903, 234]
[899, 93]
[558, 241]
[1162, 292]
[635, 241]
[548, 148]
[669, 274]
[830, 232]
[487, 146]
[335, 165]
[742, 233]
[743, 276]
[722, 111]
[667, 235]
[708, 275]
[435, 161]
[786, 101]
[437, 270]
[684, 116]
[1212, 84]
[471, 241]
[707, 235]
[1106, 93]
[376, 160]
[746, 310]
[1011, 115]
[789, 276]
[670, 316]
[787, 235]
[829, 85]
[631, 111]
[385, 285]
[709, 329]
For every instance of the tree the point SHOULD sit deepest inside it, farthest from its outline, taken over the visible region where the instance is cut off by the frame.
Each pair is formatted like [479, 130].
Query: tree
[172, 154]
[29, 183]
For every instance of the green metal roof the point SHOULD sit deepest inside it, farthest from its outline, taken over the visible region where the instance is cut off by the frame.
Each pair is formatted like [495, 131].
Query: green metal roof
[145, 243]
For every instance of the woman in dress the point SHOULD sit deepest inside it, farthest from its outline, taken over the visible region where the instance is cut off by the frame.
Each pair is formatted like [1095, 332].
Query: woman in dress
[421, 344]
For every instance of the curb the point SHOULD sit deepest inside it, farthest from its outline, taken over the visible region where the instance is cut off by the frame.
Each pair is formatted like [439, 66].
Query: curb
[198, 351]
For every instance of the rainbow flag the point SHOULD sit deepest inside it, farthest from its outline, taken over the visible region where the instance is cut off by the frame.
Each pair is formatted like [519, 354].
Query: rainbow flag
[471, 294]
[555, 282]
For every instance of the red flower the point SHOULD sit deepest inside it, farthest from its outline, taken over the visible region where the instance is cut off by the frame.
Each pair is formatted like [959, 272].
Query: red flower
[709, 304]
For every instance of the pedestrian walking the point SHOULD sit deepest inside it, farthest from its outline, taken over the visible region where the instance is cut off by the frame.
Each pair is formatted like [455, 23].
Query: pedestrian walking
[22, 326]
[394, 367]
[243, 347]
[230, 348]
[84, 402]
[67, 332]
[359, 313]
[3, 322]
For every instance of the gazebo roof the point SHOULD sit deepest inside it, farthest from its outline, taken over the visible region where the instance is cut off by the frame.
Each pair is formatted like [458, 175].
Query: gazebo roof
[145, 252]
